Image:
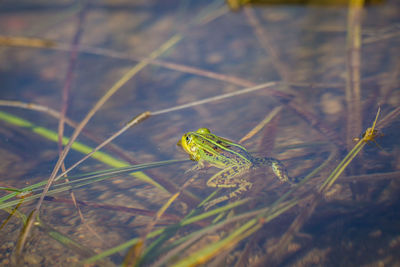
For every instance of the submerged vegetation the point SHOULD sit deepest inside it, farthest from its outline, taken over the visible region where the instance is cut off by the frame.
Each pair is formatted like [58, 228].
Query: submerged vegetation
[307, 95]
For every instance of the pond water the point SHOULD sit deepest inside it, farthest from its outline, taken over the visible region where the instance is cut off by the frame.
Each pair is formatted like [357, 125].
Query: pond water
[310, 83]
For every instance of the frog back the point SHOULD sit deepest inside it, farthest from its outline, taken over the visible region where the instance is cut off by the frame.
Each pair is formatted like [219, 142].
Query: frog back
[222, 152]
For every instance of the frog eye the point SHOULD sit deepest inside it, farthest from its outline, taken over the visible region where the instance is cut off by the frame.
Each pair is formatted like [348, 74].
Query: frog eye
[203, 131]
[188, 139]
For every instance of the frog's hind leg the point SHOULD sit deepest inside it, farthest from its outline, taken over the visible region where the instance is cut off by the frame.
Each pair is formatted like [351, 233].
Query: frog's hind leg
[229, 177]
[245, 186]
[277, 167]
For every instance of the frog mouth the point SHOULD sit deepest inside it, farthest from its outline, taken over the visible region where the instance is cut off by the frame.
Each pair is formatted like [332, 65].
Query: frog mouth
[184, 145]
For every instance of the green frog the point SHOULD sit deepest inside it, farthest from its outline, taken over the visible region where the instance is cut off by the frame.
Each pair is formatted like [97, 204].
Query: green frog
[234, 160]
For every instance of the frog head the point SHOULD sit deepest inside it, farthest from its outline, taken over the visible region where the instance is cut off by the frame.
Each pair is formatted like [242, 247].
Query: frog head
[190, 143]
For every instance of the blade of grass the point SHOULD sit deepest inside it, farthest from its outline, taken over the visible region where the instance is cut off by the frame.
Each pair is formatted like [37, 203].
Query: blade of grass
[77, 146]
[353, 89]
[83, 180]
[73, 55]
[265, 42]
[370, 177]
[369, 135]
[342, 165]
[119, 248]
[261, 124]
[64, 240]
[26, 42]
[134, 253]
[134, 211]
[11, 189]
[11, 214]
[215, 98]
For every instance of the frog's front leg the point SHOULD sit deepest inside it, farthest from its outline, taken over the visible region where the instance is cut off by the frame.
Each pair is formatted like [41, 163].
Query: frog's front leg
[199, 166]
[229, 177]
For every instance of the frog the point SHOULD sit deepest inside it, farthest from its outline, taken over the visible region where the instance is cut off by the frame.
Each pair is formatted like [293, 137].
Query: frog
[232, 158]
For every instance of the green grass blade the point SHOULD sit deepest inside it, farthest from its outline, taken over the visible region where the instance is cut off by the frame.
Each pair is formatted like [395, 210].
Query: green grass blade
[77, 146]
[82, 180]
[119, 248]
[342, 165]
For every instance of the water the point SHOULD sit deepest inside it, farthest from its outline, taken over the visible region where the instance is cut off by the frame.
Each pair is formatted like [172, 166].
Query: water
[301, 63]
